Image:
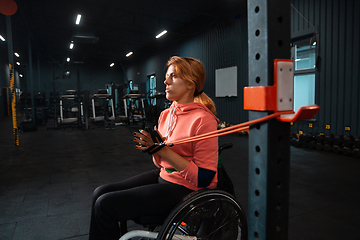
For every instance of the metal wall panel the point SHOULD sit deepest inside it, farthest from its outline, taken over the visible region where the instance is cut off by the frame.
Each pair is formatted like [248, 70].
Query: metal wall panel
[355, 88]
[224, 45]
[337, 78]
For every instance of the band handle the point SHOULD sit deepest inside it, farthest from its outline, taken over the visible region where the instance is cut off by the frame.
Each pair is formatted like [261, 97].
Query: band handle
[157, 140]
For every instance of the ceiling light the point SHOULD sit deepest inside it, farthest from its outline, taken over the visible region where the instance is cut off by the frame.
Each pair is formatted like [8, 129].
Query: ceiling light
[18, 63]
[78, 18]
[161, 34]
[16, 54]
[71, 45]
[20, 75]
[2, 38]
[129, 54]
[68, 59]
[112, 64]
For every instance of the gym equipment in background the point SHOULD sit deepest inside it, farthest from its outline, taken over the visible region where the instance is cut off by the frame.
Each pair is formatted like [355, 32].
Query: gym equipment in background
[71, 109]
[103, 110]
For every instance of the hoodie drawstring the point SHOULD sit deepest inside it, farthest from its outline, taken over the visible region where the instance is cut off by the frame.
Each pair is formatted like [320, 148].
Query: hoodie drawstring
[170, 122]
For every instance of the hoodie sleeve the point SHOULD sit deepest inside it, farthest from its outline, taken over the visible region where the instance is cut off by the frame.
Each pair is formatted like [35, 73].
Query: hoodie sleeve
[156, 160]
[156, 157]
[203, 168]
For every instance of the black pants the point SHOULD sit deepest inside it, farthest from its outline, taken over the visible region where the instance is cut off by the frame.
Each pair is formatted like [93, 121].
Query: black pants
[144, 194]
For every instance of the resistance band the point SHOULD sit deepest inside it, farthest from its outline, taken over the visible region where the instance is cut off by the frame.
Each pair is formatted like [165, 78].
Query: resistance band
[228, 130]
[158, 144]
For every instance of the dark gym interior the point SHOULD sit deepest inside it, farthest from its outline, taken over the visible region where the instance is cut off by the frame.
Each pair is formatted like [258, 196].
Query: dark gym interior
[76, 108]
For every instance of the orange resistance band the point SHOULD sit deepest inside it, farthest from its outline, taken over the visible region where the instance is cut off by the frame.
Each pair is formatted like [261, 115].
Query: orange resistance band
[229, 130]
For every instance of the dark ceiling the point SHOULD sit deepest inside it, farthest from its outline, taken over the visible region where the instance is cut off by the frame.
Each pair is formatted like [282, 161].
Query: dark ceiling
[109, 29]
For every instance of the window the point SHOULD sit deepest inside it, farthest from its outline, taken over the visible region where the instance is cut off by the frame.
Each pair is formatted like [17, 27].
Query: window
[304, 56]
[152, 88]
[130, 86]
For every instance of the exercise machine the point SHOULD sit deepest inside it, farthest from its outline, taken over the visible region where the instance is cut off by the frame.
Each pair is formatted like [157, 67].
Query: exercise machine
[103, 110]
[71, 109]
[157, 103]
[41, 108]
[134, 104]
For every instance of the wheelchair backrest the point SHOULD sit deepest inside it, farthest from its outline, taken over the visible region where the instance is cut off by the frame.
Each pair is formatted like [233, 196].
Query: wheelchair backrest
[224, 181]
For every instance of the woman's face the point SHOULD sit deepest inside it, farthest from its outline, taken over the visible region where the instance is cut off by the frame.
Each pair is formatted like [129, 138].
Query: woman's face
[177, 89]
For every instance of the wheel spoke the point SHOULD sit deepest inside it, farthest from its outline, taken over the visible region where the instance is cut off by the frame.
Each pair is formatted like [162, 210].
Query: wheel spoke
[223, 225]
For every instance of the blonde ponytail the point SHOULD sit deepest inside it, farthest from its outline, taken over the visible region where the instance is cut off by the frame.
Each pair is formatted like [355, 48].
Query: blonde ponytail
[207, 101]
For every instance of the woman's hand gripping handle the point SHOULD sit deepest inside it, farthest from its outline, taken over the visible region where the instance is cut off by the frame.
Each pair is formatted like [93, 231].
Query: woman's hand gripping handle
[149, 140]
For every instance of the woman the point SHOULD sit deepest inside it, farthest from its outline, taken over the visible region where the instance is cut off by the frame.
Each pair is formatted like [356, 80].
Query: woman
[181, 169]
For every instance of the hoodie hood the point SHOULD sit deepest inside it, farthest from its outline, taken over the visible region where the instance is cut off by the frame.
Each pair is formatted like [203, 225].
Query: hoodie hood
[179, 110]
[186, 108]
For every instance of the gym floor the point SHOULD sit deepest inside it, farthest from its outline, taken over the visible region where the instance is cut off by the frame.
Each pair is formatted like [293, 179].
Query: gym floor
[46, 183]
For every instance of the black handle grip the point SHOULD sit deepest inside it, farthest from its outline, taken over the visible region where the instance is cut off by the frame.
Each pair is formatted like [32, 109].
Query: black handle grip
[224, 146]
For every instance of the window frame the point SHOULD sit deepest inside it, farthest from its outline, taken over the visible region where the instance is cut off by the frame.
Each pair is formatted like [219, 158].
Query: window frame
[310, 71]
[152, 88]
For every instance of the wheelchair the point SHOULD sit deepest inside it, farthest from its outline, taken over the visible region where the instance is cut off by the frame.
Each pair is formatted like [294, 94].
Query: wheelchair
[206, 214]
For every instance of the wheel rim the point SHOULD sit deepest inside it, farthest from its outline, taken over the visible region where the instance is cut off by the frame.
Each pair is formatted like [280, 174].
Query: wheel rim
[215, 204]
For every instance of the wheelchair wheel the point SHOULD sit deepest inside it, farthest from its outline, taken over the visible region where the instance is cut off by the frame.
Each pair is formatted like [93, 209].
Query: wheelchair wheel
[208, 214]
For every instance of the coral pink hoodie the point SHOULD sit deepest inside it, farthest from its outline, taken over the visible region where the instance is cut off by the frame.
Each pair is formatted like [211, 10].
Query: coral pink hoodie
[187, 120]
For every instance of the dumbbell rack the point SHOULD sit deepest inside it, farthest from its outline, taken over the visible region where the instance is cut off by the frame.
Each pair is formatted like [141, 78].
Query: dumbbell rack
[347, 145]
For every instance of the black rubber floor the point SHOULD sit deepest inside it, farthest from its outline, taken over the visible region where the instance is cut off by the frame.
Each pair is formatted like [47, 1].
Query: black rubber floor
[46, 183]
